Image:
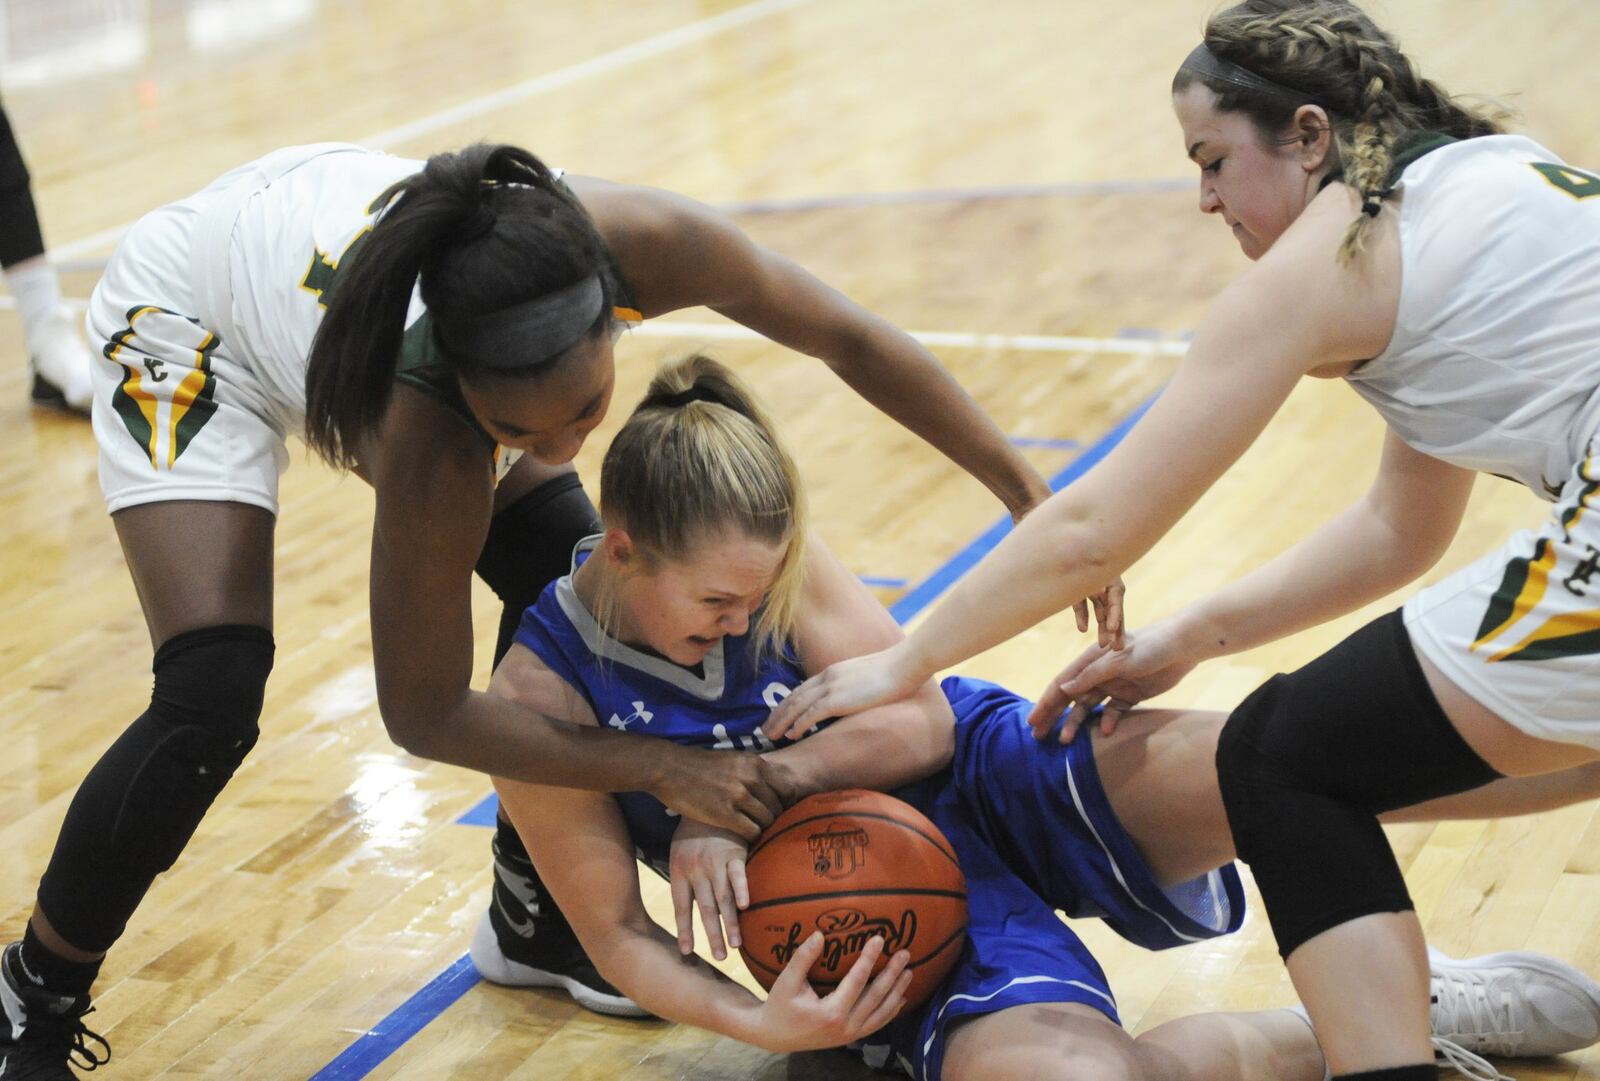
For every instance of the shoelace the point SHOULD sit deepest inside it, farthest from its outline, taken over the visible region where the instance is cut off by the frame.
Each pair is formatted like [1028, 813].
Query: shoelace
[1467, 1064]
[1492, 1025]
[46, 1037]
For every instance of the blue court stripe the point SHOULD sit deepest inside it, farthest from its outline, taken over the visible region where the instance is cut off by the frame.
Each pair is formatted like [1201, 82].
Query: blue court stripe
[882, 582]
[483, 814]
[390, 1034]
[932, 587]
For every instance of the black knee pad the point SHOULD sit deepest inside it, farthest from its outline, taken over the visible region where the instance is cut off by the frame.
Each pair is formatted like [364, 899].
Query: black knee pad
[1309, 760]
[530, 545]
[143, 800]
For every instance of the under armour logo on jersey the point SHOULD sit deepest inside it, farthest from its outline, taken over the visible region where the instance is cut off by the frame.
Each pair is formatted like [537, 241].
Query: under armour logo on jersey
[639, 714]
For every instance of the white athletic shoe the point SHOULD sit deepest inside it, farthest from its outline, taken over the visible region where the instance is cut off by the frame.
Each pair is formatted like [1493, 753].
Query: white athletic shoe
[1517, 1004]
[563, 966]
[61, 361]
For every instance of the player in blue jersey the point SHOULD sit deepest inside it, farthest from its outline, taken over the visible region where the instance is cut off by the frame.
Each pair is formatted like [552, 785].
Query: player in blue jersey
[697, 611]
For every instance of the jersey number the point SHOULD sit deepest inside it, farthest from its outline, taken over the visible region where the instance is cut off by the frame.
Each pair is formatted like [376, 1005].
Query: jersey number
[1575, 182]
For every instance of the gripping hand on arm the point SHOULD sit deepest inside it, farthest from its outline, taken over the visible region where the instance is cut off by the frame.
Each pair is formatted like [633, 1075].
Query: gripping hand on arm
[1297, 310]
[434, 494]
[583, 852]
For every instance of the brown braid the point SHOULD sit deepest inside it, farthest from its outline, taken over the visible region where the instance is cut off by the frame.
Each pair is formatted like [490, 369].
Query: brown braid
[1337, 57]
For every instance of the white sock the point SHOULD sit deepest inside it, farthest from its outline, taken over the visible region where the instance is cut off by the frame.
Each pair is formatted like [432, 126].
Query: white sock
[38, 291]
[1300, 1012]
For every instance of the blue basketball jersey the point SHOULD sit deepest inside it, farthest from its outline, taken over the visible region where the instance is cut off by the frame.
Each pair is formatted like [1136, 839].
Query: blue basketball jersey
[721, 707]
[1031, 825]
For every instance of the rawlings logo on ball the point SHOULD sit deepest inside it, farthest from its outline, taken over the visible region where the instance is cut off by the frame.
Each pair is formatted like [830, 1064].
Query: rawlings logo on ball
[845, 933]
[809, 875]
[836, 853]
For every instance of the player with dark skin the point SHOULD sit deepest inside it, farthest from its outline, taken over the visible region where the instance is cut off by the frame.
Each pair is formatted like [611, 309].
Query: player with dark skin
[431, 456]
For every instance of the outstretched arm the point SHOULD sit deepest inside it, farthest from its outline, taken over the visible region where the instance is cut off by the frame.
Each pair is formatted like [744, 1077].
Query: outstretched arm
[677, 253]
[1295, 311]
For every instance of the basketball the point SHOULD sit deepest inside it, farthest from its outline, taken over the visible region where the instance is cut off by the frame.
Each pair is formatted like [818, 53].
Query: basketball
[854, 864]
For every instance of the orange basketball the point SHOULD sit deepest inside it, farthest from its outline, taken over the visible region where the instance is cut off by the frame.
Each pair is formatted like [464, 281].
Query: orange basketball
[854, 864]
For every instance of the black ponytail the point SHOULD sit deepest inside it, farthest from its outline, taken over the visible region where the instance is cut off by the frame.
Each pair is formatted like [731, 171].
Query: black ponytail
[483, 229]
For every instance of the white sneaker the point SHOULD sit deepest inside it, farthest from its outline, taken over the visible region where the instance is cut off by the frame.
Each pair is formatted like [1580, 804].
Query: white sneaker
[61, 362]
[562, 966]
[1511, 1004]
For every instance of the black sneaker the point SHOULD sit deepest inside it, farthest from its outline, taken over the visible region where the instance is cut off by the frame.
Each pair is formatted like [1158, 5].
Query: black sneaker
[520, 942]
[41, 1033]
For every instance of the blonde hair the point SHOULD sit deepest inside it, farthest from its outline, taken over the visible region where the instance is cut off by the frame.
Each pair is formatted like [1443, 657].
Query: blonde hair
[1331, 53]
[697, 459]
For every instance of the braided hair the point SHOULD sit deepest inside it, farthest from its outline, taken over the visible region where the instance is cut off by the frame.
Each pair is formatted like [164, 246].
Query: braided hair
[1335, 56]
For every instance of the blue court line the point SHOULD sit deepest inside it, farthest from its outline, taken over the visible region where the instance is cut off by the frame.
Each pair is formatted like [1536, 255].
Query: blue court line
[483, 814]
[388, 1035]
[932, 587]
[883, 583]
[413, 1015]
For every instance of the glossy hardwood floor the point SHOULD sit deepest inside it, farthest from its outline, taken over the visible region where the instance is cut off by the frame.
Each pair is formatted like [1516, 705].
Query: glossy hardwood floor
[1005, 168]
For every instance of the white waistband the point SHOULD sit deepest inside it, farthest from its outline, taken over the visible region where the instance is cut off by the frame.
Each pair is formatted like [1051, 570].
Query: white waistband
[210, 268]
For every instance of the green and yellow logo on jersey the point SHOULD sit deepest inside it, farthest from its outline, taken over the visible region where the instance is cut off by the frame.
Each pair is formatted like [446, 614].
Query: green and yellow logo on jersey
[163, 405]
[1561, 631]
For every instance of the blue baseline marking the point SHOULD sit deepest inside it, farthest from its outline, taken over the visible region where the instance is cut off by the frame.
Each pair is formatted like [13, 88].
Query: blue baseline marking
[882, 582]
[388, 1035]
[932, 587]
[413, 1015]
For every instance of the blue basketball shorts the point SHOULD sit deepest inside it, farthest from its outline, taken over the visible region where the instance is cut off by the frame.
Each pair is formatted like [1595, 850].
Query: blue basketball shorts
[1035, 833]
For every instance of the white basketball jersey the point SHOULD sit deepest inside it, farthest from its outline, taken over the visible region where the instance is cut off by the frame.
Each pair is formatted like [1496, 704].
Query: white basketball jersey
[1495, 360]
[287, 243]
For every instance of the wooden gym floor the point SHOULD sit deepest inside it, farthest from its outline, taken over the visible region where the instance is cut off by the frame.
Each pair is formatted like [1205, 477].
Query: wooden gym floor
[1005, 174]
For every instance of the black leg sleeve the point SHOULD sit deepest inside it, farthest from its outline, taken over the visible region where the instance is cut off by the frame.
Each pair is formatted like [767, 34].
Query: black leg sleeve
[20, 237]
[136, 810]
[530, 545]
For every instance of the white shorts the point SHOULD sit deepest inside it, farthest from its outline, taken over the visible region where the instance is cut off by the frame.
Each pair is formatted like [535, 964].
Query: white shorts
[176, 416]
[1519, 631]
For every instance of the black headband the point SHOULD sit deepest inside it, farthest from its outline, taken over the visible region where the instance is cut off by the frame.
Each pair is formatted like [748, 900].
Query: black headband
[1202, 61]
[681, 398]
[526, 335]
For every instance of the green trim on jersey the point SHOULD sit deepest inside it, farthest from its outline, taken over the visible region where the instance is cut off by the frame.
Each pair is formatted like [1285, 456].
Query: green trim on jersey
[1512, 583]
[1581, 644]
[1412, 148]
[1406, 152]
